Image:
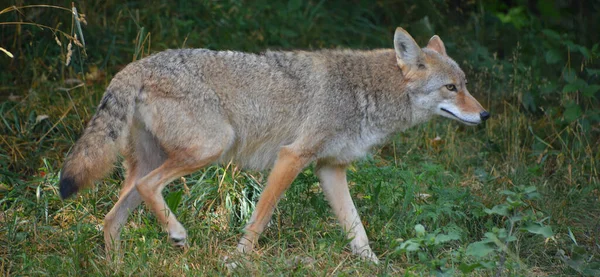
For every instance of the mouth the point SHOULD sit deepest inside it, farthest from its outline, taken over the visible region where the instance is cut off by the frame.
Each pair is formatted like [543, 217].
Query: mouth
[460, 119]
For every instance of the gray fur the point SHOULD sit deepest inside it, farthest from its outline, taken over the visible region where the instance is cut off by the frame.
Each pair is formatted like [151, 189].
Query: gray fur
[341, 102]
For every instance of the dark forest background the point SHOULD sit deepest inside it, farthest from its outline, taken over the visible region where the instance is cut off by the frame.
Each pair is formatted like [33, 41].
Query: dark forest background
[519, 195]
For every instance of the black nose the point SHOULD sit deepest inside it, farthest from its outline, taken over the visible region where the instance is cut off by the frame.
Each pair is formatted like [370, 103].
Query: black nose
[484, 115]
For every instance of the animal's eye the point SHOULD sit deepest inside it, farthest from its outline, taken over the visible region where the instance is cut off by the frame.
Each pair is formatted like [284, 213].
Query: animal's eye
[451, 87]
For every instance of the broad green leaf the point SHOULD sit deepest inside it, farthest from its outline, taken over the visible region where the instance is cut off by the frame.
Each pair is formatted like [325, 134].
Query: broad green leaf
[410, 246]
[549, 88]
[491, 237]
[488, 264]
[468, 268]
[515, 16]
[570, 75]
[530, 189]
[442, 238]
[572, 46]
[590, 91]
[593, 71]
[516, 218]
[480, 249]
[533, 195]
[585, 52]
[514, 202]
[535, 228]
[420, 230]
[575, 85]
[502, 234]
[572, 112]
[508, 192]
[553, 56]
[498, 209]
[569, 88]
[581, 84]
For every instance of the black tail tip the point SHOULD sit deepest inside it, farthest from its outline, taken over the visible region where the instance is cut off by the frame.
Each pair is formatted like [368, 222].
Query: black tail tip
[67, 187]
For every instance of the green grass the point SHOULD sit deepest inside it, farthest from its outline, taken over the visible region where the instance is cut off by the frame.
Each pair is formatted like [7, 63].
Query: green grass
[440, 175]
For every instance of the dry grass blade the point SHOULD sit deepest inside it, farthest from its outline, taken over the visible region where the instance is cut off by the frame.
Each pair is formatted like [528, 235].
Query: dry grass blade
[7, 53]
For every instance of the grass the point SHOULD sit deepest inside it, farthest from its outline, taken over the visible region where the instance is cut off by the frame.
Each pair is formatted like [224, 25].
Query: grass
[440, 175]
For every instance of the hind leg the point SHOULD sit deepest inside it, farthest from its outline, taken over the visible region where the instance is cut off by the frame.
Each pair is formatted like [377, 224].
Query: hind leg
[193, 133]
[129, 199]
[143, 156]
[150, 187]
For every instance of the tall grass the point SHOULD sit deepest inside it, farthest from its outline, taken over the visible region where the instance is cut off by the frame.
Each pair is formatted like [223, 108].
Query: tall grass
[440, 175]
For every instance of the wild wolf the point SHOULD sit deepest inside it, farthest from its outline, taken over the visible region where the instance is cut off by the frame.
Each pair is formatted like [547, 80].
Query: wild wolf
[177, 111]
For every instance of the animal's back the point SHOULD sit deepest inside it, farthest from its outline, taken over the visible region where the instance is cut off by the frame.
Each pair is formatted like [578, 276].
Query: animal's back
[265, 98]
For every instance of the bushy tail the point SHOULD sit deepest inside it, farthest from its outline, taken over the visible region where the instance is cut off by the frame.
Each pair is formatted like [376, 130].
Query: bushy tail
[95, 152]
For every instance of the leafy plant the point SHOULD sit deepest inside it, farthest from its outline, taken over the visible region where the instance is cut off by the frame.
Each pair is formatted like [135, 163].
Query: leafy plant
[492, 251]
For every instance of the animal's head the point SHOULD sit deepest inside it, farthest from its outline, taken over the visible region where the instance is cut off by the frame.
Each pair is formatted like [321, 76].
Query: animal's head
[436, 83]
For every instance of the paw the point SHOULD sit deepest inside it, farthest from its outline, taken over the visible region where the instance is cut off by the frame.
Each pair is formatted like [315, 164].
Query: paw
[179, 242]
[369, 256]
[246, 245]
[245, 248]
[178, 235]
[365, 253]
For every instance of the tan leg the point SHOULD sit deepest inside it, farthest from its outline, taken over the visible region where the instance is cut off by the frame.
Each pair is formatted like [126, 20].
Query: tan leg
[142, 155]
[150, 188]
[129, 199]
[289, 163]
[335, 187]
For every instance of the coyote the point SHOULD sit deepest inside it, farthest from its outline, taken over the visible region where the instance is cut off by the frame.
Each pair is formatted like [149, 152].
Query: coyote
[177, 111]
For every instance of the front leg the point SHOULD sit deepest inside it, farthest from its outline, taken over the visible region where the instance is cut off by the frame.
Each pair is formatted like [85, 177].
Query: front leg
[335, 187]
[289, 163]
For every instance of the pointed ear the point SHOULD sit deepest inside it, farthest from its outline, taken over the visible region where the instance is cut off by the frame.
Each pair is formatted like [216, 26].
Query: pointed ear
[408, 52]
[436, 44]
